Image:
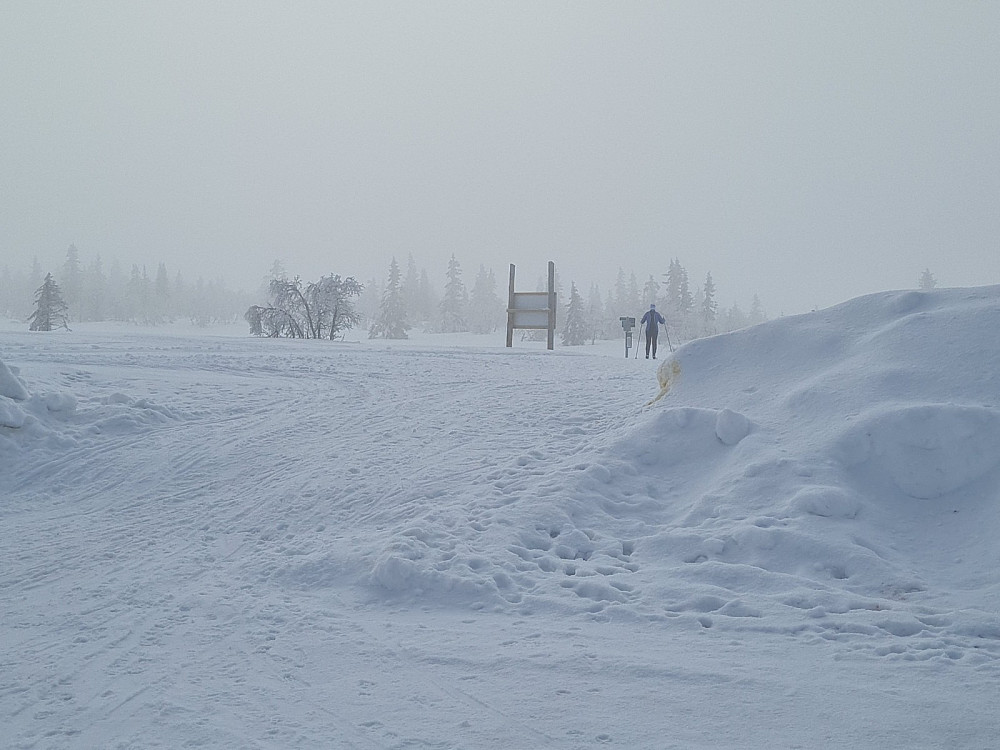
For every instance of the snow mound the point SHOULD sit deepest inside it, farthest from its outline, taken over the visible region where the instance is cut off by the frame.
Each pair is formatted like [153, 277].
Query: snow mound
[927, 451]
[731, 427]
[54, 419]
[11, 414]
[11, 386]
[803, 466]
[828, 502]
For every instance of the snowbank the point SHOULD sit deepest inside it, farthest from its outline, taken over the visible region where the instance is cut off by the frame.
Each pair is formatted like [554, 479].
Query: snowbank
[799, 475]
[44, 420]
[233, 542]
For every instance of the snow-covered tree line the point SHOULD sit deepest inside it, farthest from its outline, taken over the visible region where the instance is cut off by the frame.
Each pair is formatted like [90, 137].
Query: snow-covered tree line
[690, 312]
[406, 298]
[409, 300]
[95, 292]
[403, 301]
[388, 308]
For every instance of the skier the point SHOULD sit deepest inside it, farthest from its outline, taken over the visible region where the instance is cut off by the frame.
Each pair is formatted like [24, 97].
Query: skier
[651, 320]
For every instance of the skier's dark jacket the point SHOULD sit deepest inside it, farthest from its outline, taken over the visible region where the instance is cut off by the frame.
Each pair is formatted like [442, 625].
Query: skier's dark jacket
[650, 319]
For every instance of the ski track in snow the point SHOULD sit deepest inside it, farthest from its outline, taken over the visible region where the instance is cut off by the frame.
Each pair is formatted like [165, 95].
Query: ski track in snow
[234, 542]
[306, 474]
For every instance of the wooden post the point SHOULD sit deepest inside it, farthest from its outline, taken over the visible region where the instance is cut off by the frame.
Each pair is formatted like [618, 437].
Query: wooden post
[552, 305]
[510, 309]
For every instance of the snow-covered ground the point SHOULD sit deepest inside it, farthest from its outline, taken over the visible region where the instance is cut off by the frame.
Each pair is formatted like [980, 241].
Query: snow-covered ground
[210, 540]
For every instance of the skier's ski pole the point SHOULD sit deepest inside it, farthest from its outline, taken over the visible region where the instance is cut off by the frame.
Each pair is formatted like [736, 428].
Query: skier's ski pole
[667, 334]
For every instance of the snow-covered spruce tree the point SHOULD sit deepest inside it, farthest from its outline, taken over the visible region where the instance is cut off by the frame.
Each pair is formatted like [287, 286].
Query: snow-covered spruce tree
[161, 295]
[678, 304]
[628, 299]
[757, 313]
[686, 300]
[369, 300]
[115, 286]
[455, 305]
[485, 308]
[17, 291]
[575, 327]
[621, 294]
[390, 323]
[411, 292]
[200, 303]
[9, 283]
[634, 297]
[734, 319]
[672, 295]
[428, 297]
[595, 314]
[277, 271]
[35, 276]
[50, 309]
[612, 315]
[138, 294]
[927, 280]
[95, 291]
[650, 292]
[709, 307]
[72, 276]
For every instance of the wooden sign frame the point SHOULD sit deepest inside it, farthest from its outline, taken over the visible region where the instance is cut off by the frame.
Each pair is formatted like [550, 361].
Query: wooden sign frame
[532, 310]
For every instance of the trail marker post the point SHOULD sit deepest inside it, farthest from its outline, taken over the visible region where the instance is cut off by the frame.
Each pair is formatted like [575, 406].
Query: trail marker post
[627, 325]
[532, 310]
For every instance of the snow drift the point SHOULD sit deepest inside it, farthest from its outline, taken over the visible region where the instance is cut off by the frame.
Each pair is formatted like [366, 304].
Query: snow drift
[827, 473]
[234, 542]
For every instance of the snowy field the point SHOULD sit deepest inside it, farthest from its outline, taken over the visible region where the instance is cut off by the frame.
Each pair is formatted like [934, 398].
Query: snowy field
[216, 541]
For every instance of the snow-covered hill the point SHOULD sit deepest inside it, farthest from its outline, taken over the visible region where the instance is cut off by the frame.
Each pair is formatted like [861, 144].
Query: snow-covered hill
[229, 542]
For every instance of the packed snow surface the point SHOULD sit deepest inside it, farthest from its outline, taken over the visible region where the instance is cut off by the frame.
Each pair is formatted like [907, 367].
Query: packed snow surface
[218, 541]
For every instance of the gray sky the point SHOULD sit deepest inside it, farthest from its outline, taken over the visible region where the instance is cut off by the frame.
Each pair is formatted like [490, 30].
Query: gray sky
[805, 151]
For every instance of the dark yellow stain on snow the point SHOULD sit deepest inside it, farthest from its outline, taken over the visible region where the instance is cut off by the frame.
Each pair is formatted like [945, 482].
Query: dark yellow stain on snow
[667, 374]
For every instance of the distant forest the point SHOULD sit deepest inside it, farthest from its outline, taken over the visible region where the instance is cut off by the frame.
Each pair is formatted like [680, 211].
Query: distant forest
[403, 300]
[93, 292]
[408, 299]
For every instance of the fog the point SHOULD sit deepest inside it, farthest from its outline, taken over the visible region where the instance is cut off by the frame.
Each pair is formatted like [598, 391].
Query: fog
[808, 152]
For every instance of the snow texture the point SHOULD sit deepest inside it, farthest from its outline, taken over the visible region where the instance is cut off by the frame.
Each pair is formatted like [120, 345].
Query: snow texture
[11, 386]
[219, 541]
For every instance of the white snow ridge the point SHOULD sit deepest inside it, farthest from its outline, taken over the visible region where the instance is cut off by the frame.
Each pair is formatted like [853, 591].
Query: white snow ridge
[222, 541]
